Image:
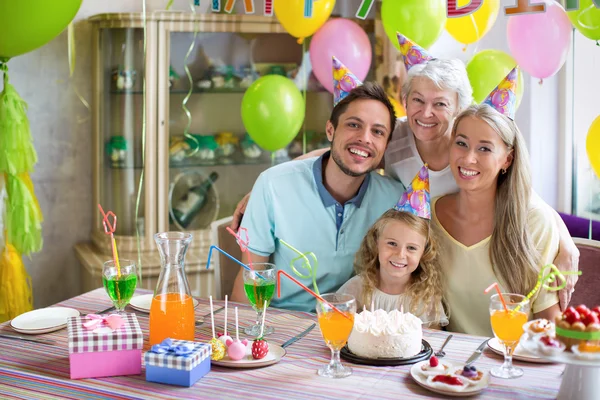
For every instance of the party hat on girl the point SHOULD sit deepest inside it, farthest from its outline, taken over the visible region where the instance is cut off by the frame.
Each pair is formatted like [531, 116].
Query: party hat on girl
[504, 97]
[412, 53]
[343, 81]
[416, 198]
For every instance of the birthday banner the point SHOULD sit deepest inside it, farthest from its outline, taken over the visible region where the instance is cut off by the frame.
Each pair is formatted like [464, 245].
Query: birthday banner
[453, 10]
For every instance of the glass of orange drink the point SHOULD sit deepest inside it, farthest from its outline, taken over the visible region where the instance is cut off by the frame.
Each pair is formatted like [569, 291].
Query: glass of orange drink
[335, 328]
[507, 325]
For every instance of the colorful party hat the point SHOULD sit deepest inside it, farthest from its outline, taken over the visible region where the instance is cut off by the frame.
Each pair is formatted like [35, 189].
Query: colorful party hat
[343, 81]
[504, 97]
[416, 198]
[412, 53]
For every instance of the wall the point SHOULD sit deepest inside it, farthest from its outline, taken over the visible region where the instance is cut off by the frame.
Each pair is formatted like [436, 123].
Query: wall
[61, 129]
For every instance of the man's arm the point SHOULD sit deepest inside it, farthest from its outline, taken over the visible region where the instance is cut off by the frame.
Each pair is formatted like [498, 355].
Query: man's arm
[238, 294]
[566, 260]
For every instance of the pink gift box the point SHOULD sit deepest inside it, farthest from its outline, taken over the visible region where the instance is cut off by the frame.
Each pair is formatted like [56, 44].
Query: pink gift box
[102, 351]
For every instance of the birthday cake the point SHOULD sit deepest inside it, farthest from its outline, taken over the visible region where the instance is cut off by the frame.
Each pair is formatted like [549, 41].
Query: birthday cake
[381, 334]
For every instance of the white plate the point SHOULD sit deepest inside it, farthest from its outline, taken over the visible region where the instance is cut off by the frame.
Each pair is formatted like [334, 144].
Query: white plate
[421, 379]
[43, 320]
[143, 302]
[520, 353]
[275, 354]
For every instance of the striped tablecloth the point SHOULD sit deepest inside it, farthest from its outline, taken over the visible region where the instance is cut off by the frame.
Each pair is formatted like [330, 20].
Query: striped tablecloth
[37, 371]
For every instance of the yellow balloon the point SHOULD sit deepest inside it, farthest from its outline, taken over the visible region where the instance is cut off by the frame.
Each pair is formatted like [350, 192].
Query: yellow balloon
[592, 145]
[398, 109]
[471, 28]
[290, 14]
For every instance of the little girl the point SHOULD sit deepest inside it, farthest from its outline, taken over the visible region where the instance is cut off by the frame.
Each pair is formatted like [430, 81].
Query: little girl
[397, 264]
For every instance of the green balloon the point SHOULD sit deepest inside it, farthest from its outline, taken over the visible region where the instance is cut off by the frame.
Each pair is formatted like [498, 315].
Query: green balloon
[26, 25]
[273, 111]
[422, 21]
[487, 69]
[586, 19]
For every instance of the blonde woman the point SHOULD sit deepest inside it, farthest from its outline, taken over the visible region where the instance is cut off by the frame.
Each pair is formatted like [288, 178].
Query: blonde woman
[491, 230]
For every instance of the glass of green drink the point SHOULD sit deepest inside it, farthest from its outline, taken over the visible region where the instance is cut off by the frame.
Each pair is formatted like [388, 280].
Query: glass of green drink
[120, 283]
[259, 285]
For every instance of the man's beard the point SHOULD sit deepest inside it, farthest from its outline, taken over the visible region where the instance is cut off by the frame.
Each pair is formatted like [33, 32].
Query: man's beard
[343, 167]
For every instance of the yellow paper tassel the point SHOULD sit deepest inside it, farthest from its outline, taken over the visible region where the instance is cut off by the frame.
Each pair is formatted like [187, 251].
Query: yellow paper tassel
[16, 296]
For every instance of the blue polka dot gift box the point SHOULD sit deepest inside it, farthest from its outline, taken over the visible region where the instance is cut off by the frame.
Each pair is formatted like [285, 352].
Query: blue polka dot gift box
[177, 362]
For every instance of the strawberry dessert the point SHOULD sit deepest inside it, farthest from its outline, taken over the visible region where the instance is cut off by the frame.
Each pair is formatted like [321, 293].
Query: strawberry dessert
[577, 325]
[434, 367]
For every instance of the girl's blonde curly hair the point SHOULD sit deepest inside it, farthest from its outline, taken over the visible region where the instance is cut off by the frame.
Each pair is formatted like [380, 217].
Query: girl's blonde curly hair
[425, 289]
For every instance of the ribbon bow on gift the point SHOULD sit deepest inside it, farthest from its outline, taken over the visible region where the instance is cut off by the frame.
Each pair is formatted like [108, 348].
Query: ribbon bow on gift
[113, 321]
[166, 346]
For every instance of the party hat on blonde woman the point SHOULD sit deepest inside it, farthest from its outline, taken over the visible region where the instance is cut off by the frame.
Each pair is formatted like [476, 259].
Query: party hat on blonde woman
[504, 97]
[412, 53]
[416, 199]
[343, 81]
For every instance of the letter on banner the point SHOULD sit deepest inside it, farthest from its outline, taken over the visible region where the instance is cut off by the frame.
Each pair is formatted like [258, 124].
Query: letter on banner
[574, 4]
[216, 5]
[268, 8]
[365, 7]
[455, 12]
[248, 6]
[307, 8]
[523, 7]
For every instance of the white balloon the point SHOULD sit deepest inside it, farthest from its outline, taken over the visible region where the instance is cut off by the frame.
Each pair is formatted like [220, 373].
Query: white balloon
[447, 47]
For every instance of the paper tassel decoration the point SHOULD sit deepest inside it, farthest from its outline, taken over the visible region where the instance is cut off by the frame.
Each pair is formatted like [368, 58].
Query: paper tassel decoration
[412, 53]
[416, 199]
[504, 97]
[343, 81]
[16, 146]
[15, 285]
[23, 215]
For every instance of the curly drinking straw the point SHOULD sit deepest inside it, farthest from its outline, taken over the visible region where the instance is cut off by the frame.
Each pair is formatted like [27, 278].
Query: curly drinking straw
[307, 289]
[312, 271]
[109, 229]
[495, 285]
[241, 242]
[544, 280]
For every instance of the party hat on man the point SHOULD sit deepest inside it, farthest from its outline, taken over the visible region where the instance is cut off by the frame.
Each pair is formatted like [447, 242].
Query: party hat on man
[412, 53]
[343, 81]
[416, 199]
[504, 97]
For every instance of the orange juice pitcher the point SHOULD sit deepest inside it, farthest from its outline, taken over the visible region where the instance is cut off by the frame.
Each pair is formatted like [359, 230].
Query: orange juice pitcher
[172, 309]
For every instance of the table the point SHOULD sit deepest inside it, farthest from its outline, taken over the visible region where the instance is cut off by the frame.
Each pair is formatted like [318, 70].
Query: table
[36, 371]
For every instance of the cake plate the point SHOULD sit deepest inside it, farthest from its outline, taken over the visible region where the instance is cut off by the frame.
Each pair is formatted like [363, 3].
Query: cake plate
[581, 380]
[424, 354]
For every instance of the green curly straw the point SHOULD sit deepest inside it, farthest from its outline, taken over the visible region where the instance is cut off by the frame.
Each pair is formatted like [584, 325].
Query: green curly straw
[312, 271]
[544, 280]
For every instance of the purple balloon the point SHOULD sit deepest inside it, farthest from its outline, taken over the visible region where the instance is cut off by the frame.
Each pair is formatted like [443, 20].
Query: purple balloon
[540, 42]
[344, 39]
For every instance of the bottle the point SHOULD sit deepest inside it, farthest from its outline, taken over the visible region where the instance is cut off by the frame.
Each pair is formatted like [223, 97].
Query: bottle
[172, 308]
[186, 210]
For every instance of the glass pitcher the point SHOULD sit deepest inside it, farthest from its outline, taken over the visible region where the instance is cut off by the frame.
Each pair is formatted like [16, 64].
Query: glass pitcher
[172, 309]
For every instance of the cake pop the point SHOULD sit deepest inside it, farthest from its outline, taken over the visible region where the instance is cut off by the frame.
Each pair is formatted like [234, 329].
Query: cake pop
[236, 350]
[218, 349]
[260, 347]
[225, 337]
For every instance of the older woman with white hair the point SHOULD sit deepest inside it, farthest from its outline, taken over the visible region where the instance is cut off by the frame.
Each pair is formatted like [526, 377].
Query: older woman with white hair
[435, 92]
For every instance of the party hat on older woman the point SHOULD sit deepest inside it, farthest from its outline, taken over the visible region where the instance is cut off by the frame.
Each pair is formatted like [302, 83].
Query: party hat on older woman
[504, 97]
[416, 199]
[343, 81]
[412, 53]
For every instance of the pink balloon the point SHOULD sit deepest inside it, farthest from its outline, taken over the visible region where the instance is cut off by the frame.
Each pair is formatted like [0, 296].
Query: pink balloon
[540, 42]
[347, 41]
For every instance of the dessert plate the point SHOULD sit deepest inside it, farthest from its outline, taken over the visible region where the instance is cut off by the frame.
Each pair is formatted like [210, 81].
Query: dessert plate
[520, 354]
[471, 390]
[143, 302]
[275, 354]
[43, 320]
[425, 353]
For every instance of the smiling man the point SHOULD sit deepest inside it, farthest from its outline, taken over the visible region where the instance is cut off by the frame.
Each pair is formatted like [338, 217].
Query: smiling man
[326, 204]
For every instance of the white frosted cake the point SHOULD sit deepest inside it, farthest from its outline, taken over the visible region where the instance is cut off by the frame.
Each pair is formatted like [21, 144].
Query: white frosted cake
[381, 334]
